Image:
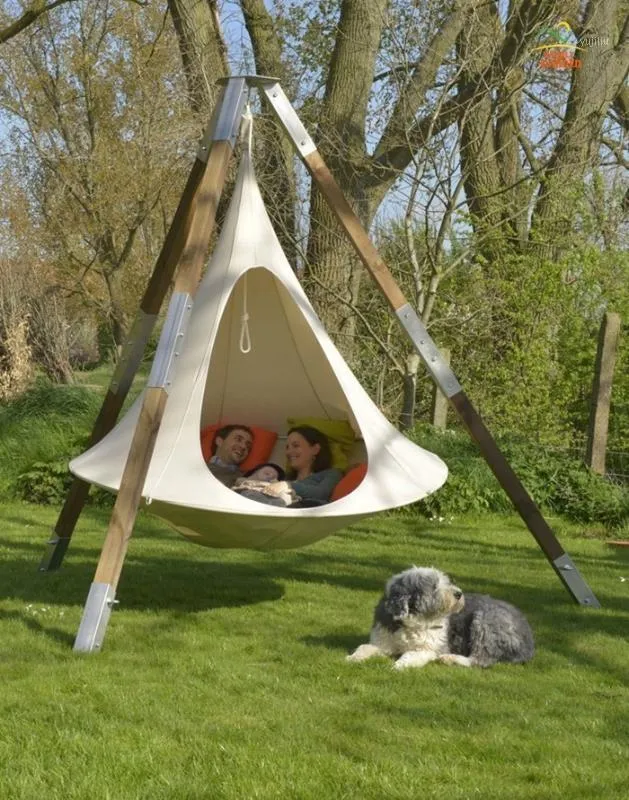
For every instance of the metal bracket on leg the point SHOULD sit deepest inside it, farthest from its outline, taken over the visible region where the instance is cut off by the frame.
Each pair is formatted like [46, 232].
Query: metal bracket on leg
[100, 601]
[287, 115]
[55, 553]
[225, 123]
[171, 341]
[435, 363]
[574, 583]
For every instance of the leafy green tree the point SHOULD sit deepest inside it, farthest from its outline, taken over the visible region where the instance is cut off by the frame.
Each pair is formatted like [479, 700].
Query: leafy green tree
[99, 126]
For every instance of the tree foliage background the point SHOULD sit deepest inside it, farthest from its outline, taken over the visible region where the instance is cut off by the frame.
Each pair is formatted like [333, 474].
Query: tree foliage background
[496, 189]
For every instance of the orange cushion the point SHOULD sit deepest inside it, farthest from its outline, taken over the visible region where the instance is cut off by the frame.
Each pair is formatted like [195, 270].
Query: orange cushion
[350, 481]
[263, 444]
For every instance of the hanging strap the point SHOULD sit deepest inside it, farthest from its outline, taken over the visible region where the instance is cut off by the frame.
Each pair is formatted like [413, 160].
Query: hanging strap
[245, 336]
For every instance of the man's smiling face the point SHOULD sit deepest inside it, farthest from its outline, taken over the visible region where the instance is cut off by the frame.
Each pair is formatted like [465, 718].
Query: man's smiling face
[235, 447]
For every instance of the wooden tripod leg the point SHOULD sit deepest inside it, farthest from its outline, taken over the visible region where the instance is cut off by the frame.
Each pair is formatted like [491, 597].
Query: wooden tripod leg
[130, 360]
[559, 560]
[449, 385]
[125, 509]
[413, 326]
[150, 305]
[102, 591]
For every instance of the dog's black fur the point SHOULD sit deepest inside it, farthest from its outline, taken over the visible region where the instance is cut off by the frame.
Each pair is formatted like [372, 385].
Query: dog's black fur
[511, 638]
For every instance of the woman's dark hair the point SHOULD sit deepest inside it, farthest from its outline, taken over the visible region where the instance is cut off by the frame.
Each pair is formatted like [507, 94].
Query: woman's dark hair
[323, 459]
[280, 472]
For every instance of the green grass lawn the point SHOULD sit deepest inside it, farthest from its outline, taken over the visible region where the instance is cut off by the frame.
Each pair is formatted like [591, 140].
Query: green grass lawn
[223, 673]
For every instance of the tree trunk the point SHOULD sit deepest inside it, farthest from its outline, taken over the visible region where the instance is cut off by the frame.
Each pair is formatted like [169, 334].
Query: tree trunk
[594, 87]
[476, 48]
[516, 197]
[602, 391]
[275, 166]
[202, 48]
[332, 272]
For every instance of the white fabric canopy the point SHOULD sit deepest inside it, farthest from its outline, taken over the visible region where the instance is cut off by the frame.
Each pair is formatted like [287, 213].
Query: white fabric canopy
[292, 369]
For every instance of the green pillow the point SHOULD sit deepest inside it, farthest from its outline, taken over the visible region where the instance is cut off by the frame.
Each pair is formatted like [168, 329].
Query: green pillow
[339, 432]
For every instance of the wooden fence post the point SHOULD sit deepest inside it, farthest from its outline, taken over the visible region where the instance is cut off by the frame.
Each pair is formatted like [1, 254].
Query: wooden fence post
[407, 415]
[439, 411]
[602, 392]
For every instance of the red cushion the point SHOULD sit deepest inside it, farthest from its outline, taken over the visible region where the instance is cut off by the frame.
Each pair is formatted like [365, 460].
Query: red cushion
[263, 444]
[350, 481]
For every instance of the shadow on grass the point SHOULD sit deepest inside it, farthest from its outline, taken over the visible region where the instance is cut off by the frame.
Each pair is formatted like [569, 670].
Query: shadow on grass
[562, 628]
[211, 579]
[309, 565]
[35, 626]
[146, 583]
[345, 642]
[175, 582]
[434, 544]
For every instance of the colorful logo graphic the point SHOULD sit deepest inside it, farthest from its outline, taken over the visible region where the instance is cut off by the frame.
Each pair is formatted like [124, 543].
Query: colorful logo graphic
[558, 48]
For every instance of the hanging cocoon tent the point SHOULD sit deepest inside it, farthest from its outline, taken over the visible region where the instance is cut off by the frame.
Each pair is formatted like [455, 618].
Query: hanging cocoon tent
[255, 353]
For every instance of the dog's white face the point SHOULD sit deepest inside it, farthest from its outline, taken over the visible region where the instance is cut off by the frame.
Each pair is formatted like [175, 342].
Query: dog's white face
[421, 591]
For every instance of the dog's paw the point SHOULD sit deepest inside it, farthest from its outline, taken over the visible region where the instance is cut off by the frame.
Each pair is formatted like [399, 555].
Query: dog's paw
[364, 652]
[414, 658]
[453, 660]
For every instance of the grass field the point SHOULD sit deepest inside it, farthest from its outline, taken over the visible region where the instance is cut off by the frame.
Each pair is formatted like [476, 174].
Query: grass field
[223, 675]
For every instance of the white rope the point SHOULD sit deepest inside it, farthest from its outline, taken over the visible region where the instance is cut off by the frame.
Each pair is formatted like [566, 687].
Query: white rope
[248, 117]
[245, 337]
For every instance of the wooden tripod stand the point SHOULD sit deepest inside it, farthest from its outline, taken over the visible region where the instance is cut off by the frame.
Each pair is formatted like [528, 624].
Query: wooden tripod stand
[184, 251]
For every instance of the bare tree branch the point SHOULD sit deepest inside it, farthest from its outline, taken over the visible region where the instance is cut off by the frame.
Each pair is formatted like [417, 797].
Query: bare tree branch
[422, 77]
[363, 318]
[522, 28]
[28, 17]
[36, 10]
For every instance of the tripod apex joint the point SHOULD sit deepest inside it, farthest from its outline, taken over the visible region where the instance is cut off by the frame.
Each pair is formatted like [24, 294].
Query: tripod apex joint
[255, 81]
[225, 122]
[283, 108]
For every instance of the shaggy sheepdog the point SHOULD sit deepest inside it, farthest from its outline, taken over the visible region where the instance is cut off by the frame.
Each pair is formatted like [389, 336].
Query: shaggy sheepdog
[423, 617]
